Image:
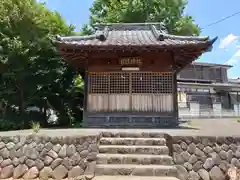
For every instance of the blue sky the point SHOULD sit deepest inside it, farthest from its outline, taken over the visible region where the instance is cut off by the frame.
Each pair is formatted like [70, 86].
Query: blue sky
[226, 49]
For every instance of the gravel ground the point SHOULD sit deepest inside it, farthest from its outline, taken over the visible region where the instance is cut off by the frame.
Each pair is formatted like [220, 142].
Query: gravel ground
[201, 127]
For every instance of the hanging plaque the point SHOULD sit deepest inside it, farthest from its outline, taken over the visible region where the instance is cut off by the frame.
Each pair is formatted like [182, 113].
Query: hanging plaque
[130, 61]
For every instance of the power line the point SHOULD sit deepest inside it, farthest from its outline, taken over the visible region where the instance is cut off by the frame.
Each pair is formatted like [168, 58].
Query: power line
[221, 20]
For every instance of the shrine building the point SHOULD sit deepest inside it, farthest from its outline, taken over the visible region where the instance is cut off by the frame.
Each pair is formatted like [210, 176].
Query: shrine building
[130, 73]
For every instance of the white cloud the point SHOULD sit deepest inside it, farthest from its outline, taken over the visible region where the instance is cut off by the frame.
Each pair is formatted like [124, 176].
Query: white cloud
[235, 59]
[228, 40]
[237, 54]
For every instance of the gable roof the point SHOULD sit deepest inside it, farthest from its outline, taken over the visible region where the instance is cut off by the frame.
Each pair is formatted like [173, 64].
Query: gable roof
[121, 35]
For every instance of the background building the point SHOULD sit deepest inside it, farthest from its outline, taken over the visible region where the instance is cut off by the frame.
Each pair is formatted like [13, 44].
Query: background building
[204, 90]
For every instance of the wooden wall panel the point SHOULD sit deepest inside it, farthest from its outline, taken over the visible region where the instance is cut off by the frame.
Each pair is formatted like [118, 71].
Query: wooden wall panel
[138, 103]
[204, 73]
[159, 62]
[163, 102]
[142, 102]
[97, 102]
[119, 102]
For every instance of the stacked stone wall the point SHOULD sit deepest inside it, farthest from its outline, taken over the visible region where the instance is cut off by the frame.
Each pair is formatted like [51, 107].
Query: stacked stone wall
[45, 157]
[32, 157]
[205, 157]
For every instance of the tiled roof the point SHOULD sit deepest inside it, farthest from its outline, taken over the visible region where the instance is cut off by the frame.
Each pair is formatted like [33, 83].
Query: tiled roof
[234, 81]
[211, 64]
[215, 85]
[130, 34]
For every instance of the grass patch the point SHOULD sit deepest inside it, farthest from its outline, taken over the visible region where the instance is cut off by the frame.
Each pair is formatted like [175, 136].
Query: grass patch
[188, 123]
[35, 126]
[237, 119]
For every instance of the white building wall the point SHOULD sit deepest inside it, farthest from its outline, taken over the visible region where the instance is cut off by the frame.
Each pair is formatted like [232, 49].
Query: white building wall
[217, 111]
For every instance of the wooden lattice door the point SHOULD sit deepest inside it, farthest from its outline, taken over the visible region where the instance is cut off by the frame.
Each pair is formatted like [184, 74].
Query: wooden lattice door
[130, 91]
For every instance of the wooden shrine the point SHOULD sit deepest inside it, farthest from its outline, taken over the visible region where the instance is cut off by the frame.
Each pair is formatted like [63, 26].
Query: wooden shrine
[130, 73]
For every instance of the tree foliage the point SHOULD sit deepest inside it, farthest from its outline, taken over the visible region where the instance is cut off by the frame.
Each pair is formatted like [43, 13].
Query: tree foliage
[168, 12]
[34, 75]
[32, 72]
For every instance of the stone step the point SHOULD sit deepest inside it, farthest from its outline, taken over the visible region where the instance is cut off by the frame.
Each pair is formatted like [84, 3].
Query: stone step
[133, 141]
[134, 178]
[133, 134]
[121, 149]
[134, 159]
[135, 170]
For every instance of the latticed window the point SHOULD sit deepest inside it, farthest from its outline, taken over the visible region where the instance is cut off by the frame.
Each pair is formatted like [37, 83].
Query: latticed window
[162, 83]
[141, 82]
[119, 82]
[130, 82]
[98, 83]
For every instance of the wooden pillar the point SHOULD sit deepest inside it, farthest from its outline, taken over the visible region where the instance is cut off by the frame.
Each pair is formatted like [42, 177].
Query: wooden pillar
[175, 96]
[85, 100]
[175, 91]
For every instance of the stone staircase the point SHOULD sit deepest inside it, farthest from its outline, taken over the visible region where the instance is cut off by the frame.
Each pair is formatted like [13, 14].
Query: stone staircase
[135, 156]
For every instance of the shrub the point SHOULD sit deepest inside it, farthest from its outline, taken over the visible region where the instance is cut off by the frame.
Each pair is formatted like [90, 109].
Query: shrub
[35, 126]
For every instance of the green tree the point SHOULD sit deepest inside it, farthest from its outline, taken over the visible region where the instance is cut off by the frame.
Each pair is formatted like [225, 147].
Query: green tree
[86, 30]
[168, 12]
[32, 72]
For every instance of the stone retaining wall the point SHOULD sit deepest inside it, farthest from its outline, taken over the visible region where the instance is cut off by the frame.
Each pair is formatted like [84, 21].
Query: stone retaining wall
[47, 157]
[205, 157]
